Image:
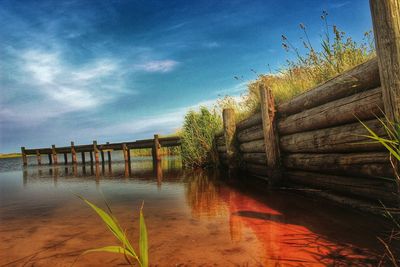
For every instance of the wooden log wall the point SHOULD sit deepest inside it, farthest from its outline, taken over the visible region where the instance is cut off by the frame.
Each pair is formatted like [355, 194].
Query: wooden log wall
[321, 142]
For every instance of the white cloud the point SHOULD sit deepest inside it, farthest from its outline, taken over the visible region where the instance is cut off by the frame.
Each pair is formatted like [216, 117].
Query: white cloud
[158, 65]
[72, 87]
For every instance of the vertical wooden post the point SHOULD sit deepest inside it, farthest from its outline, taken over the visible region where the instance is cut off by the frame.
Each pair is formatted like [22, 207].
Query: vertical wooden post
[386, 22]
[125, 152]
[91, 157]
[83, 157]
[108, 155]
[24, 158]
[271, 139]
[102, 157]
[96, 152]
[156, 148]
[228, 116]
[38, 157]
[54, 153]
[50, 159]
[65, 158]
[73, 153]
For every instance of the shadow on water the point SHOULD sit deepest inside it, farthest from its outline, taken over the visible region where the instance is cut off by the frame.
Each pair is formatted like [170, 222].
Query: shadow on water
[230, 222]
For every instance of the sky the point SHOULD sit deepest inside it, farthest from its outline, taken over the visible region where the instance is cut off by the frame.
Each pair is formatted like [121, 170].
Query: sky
[111, 71]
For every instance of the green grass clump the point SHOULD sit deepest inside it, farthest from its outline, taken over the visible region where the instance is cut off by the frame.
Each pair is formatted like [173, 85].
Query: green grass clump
[198, 132]
[126, 247]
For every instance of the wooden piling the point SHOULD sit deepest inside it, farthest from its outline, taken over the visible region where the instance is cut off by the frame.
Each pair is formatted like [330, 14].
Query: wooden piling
[271, 140]
[125, 152]
[73, 153]
[156, 148]
[102, 156]
[24, 158]
[65, 158]
[91, 157]
[96, 152]
[38, 157]
[386, 23]
[83, 157]
[50, 159]
[108, 155]
[54, 153]
[229, 121]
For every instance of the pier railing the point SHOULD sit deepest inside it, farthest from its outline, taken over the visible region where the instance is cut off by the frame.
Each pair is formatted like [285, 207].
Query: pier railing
[97, 151]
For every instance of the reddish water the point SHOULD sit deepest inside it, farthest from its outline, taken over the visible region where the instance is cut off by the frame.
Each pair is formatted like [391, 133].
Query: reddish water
[194, 219]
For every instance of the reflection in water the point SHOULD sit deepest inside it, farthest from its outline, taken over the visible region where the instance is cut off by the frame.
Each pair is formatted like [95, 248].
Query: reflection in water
[285, 240]
[194, 217]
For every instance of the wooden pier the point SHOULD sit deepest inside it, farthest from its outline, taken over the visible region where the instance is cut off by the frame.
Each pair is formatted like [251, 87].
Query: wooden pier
[95, 150]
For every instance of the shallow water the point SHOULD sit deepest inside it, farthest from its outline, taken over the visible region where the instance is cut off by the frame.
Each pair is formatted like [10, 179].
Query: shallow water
[194, 218]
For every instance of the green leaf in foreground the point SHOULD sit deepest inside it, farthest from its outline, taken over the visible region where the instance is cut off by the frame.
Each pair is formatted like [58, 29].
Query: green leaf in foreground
[125, 248]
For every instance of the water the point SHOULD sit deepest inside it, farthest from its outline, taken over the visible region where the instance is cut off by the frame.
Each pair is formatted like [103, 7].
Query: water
[194, 218]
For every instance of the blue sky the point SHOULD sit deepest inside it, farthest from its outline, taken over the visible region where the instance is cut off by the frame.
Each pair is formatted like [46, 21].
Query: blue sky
[124, 70]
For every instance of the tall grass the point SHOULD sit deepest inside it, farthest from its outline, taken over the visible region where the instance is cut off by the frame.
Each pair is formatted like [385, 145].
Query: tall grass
[198, 133]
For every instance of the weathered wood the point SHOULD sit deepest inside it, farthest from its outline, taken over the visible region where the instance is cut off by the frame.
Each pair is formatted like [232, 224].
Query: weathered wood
[96, 152]
[257, 158]
[54, 153]
[83, 157]
[156, 148]
[38, 157]
[375, 189]
[125, 152]
[258, 169]
[91, 157]
[24, 158]
[50, 158]
[271, 139]
[386, 23]
[65, 158]
[346, 138]
[250, 134]
[221, 149]
[370, 164]
[102, 156]
[253, 146]
[360, 78]
[108, 155]
[365, 105]
[73, 153]
[250, 121]
[229, 121]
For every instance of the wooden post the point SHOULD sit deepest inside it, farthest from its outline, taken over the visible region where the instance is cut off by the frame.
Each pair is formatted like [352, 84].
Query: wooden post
[83, 157]
[54, 153]
[73, 153]
[96, 152]
[91, 157]
[50, 159]
[125, 152]
[65, 158]
[386, 22]
[108, 155]
[271, 140]
[24, 158]
[228, 116]
[38, 157]
[156, 148]
[102, 157]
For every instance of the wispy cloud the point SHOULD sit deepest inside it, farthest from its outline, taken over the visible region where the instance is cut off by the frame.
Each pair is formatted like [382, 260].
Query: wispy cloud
[158, 65]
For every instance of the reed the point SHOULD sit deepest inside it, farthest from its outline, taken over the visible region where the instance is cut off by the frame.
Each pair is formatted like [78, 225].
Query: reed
[125, 248]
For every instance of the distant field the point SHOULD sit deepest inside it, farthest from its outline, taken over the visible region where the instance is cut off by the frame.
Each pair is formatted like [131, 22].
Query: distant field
[10, 155]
